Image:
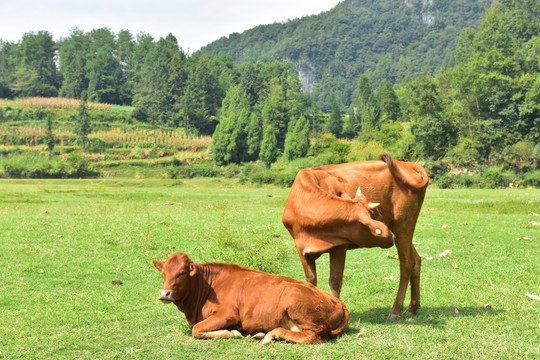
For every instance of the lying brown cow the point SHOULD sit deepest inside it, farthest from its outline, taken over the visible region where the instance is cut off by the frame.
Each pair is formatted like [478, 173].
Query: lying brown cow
[335, 208]
[217, 299]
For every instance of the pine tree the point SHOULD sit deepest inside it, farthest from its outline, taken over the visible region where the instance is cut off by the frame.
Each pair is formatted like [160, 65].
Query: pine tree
[83, 126]
[367, 105]
[269, 146]
[49, 137]
[297, 140]
[230, 136]
[335, 124]
[351, 125]
[390, 108]
[254, 135]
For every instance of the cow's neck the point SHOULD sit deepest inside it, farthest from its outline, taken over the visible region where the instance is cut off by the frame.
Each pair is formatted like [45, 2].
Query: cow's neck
[191, 305]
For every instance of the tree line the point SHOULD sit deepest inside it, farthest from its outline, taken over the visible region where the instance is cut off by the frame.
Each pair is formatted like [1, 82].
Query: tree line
[483, 111]
[383, 39]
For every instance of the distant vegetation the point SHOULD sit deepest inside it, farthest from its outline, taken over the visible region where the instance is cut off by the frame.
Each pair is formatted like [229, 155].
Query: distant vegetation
[386, 40]
[173, 115]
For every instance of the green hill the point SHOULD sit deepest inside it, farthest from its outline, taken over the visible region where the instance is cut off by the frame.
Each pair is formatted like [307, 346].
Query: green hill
[384, 39]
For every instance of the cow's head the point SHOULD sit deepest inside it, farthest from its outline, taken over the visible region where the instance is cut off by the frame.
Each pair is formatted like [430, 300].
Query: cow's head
[377, 228]
[177, 270]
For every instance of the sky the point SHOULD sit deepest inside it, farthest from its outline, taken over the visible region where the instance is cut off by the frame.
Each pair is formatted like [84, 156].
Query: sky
[194, 23]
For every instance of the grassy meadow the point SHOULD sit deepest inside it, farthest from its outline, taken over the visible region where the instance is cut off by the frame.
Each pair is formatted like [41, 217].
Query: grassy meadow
[77, 280]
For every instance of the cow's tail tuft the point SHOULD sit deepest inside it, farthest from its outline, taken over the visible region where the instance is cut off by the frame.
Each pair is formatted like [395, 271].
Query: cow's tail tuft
[344, 322]
[412, 175]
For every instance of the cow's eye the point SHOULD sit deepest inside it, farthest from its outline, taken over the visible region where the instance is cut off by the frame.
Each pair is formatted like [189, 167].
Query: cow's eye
[181, 274]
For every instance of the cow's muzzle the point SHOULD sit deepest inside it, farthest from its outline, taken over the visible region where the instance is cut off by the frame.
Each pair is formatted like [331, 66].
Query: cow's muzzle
[388, 242]
[165, 296]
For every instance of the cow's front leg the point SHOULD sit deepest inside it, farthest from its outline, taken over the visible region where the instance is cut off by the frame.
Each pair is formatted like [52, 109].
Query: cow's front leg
[310, 268]
[214, 327]
[337, 265]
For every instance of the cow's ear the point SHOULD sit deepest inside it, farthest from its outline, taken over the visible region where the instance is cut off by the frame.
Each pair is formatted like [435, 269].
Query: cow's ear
[192, 269]
[158, 264]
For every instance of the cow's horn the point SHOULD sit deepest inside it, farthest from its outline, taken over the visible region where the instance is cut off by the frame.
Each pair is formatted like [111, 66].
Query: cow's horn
[359, 191]
[378, 231]
[373, 206]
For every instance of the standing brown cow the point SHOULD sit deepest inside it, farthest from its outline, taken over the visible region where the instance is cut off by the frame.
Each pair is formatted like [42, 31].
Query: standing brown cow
[217, 299]
[335, 208]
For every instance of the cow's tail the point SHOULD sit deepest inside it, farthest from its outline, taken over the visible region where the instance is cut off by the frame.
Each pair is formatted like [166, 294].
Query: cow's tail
[344, 322]
[411, 175]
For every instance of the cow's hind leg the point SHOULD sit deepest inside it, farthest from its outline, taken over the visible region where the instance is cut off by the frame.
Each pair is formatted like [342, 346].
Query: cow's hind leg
[337, 265]
[416, 262]
[299, 337]
[405, 269]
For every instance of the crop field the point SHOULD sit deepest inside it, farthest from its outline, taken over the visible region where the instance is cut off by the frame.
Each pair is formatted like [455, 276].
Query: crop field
[77, 280]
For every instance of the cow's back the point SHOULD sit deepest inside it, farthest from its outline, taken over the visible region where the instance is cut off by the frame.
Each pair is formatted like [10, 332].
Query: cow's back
[266, 301]
[320, 209]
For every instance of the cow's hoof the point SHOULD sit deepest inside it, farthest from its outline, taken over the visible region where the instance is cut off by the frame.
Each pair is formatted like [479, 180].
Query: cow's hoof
[409, 314]
[393, 317]
[237, 334]
[411, 310]
[259, 335]
[267, 340]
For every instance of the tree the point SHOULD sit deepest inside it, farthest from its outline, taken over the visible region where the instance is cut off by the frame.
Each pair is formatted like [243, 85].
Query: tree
[50, 139]
[351, 125]
[434, 133]
[368, 109]
[72, 62]
[269, 146]
[83, 126]
[254, 136]
[335, 123]
[297, 140]
[38, 54]
[275, 110]
[25, 82]
[103, 69]
[390, 108]
[232, 132]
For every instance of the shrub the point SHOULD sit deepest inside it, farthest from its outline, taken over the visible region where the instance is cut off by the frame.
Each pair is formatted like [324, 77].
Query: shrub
[263, 177]
[491, 177]
[340, 150]
[322, 143]
[285, 179]
[445, 181]
[531, 179]
[232, 171]
[40, 166]
[190, 171]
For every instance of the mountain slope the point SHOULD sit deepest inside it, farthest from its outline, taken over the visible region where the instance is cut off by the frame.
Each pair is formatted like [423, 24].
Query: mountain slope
[384, 39]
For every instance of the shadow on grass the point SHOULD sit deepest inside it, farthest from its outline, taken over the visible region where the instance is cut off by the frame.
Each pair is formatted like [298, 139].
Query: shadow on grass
[426, 316]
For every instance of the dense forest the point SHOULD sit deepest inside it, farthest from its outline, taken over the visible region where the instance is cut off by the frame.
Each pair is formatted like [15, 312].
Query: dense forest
[383, 39]
[482, 113]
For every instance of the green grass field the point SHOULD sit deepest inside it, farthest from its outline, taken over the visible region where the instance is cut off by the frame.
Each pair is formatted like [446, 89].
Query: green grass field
[63, 243]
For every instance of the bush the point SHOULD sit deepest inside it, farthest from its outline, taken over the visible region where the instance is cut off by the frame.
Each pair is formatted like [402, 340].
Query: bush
[264, 177]
[285, 179]
[40, 167]
[340, 151]
[204, 169]
[491, 177]
[322, 143]
[531, 179]
[445, 181]
[232, 171]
